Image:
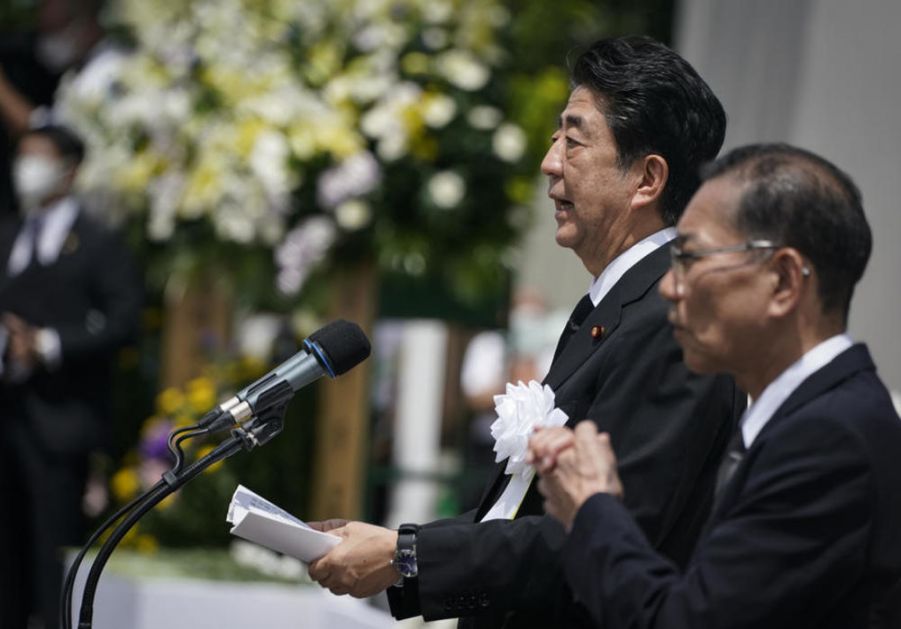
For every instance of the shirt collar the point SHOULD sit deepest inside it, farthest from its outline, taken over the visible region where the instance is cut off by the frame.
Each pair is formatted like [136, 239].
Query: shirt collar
[776, 392]
[57, 222]
[625, 261]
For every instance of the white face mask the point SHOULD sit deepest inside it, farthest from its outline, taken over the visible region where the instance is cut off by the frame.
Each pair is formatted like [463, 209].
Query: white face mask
[60, 50]
[36, 179]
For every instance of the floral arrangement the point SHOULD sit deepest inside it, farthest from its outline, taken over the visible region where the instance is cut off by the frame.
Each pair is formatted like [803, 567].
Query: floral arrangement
[195, 514]
[311, 133]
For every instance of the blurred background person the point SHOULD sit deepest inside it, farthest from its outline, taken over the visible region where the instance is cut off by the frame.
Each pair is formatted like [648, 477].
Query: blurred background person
[66, 39]
[69, 297]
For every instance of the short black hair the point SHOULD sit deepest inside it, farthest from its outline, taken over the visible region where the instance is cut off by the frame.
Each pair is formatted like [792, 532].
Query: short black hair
[800, 200]
[655, 102]
[67, 142]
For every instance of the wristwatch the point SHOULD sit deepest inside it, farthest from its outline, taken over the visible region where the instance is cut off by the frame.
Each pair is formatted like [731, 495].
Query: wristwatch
[405, 554]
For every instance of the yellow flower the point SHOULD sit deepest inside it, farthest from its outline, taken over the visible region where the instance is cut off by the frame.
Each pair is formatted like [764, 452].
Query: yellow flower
[169, 400]
[146, 544]
[125, 484]
[215, 467]
[136, 174]
[201, 393]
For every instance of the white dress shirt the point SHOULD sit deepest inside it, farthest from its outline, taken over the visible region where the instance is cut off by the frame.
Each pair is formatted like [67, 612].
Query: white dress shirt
[625, 261]
[508, 502]
[56, 224]
[776, 392]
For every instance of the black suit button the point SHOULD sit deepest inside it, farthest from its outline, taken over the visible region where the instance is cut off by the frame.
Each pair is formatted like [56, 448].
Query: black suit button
[483, 600]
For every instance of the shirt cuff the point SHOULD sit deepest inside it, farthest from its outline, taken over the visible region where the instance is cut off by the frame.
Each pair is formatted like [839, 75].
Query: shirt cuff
[48, 347]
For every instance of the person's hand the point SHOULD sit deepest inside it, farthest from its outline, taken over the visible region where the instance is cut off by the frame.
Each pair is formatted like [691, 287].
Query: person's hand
[583, 465]
[327, 525]
[546, 444]
[361, 564]
[22, 340]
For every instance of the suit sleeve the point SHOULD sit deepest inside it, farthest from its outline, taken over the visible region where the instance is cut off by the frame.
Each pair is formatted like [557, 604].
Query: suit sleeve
[795, 538]
[115, 293]
[668, 427]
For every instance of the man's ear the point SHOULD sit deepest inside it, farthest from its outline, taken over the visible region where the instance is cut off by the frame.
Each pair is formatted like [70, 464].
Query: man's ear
[653, 172]
[791, 277]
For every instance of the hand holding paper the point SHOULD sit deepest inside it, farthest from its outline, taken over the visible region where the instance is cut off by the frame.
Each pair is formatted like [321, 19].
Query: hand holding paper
[261, 522]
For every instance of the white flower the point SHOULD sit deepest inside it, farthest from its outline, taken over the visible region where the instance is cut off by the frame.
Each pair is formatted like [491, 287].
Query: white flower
[353, 215]
[462, 69]
[519, 411]
[446, 189]
[509, 142]
[438, 110]
[434, 38]
[484, 117]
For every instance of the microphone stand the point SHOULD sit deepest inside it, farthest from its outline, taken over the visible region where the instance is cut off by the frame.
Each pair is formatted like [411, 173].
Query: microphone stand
[255, 433]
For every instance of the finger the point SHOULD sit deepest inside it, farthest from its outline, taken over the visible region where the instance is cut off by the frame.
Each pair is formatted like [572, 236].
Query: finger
[586, 429]
[606, 447]
[318, 570]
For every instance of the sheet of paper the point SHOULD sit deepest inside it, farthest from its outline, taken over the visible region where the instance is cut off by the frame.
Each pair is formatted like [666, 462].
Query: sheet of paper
[261, 522]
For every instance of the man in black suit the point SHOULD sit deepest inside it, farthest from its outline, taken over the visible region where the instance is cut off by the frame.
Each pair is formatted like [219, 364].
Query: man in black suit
[805, 533]
[69, 297]
[620, 168]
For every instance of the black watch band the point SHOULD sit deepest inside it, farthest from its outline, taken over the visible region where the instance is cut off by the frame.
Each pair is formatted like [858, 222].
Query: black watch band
[405, 553]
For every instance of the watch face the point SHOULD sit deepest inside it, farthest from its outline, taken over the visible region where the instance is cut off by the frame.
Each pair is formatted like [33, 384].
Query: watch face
[405, 560]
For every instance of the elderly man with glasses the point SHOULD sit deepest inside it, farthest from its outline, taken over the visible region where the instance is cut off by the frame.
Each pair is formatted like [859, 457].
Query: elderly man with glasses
[805, 532]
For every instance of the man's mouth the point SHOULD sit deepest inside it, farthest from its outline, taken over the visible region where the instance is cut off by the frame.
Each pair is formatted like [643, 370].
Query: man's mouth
[562, 205]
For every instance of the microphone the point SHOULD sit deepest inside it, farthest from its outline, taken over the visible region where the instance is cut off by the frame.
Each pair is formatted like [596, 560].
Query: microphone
[331, 350]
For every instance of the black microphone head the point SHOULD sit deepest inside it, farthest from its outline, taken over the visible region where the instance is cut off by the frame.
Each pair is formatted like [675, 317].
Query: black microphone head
[343, 343]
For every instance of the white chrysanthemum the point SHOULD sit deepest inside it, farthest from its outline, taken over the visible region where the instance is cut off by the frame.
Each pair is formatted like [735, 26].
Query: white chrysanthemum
[519, 411]
[483, 117]
[461, 68]
[446, 189]
[438, 110]
[353, 215]
[509, 142]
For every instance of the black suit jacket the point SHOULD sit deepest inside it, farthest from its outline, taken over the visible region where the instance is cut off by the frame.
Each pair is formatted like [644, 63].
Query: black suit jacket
[91, 295]
[669, 427]
[806, 534]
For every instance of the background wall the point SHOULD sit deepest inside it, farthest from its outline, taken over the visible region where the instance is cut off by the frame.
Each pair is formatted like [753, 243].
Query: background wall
[825, 75]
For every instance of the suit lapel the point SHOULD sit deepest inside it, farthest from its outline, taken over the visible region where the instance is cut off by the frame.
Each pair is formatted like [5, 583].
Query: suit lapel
[850, 362]
[853, 360]
[605, 318]
[633, 285]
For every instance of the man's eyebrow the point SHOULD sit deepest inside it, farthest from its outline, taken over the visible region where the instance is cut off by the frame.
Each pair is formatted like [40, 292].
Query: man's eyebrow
[571, 120]
[683, 238]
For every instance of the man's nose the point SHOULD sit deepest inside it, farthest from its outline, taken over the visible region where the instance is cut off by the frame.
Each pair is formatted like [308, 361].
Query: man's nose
[669, 288]
[552, 164]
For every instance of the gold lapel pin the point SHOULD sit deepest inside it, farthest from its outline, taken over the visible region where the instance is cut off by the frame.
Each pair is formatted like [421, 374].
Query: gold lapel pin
[597, 332]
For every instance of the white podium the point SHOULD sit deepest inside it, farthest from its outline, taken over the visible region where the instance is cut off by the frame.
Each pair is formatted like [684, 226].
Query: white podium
[129, 601]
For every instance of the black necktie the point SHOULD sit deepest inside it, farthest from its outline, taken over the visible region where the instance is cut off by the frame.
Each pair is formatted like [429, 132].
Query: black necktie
[734, 454]
[580, 312]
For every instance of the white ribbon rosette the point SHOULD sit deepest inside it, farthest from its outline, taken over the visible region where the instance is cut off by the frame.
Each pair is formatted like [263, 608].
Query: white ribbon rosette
[519, 411]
